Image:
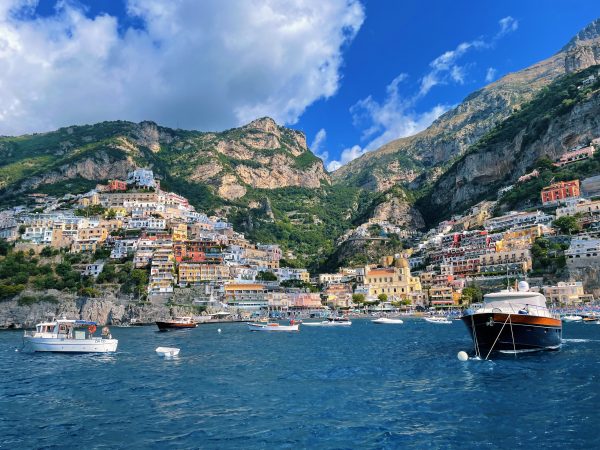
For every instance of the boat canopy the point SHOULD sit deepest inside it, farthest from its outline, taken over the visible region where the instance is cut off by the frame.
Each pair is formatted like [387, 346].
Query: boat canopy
[85, 322]
[514, 297]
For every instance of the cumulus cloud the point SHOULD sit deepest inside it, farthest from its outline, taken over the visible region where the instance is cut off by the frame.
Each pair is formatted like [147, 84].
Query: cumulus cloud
[490, 74]
[190, 64]
[317, 144]
[383, 122]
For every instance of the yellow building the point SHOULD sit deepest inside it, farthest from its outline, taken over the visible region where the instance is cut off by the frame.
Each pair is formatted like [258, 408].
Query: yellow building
[179, 231]
[97, 234]
[196, 273]
[393, 281]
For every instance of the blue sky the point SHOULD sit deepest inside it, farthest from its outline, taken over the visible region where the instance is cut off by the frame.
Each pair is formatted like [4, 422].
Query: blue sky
[351, 74]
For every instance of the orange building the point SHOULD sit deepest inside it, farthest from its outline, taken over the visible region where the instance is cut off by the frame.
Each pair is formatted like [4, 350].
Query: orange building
[560, 191]
[117, 185]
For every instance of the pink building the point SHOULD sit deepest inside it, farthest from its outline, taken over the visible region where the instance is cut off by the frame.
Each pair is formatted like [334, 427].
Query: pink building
[305, 300]
[574, 156]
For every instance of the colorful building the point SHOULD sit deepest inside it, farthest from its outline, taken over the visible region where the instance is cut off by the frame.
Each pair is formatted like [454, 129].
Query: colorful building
[562, 190]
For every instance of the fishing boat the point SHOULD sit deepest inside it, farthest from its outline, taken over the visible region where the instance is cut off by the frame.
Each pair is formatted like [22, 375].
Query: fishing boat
[512, 321]
[177, 323]
[441, 320]
[571, 318]
[69, 336]
[273, 327]
[388, 320]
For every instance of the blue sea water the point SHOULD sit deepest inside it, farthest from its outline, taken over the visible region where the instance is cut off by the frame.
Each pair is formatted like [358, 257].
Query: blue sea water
[366, 386]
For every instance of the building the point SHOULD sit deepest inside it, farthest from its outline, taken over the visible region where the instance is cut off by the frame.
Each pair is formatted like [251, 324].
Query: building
[305, 300]
[575, 156]
[251, 296]
[396, 282]
[123, 248]
[514, 220]
[162, 272]
[93, 270]
[117, 185]
[583, 252]
[508, 261]
[590, 187]
[557, 192]
[443, 296]
[191, 273]
[97, 234]
[338, 295]
[566, 293]
[289, 273]
[142, 178]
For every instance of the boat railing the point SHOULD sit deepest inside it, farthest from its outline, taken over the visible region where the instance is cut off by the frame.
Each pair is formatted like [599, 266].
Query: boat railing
[29, 333]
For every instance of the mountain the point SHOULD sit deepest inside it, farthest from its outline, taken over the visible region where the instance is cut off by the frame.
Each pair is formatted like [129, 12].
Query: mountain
[563, 115]
[418, 159]
[260, 176]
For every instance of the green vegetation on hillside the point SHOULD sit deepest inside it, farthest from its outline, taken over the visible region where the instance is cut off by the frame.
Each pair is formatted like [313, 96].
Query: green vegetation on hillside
[533, 119]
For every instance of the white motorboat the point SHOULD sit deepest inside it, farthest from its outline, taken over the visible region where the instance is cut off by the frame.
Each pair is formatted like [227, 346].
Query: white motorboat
[167, 352]
[69, 336]
[330, 322]
[441, 320]
[272, 327]
[572, 318]
[388, 320]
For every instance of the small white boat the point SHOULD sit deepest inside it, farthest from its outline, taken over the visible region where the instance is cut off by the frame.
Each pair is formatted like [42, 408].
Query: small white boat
[387, 320]
[167, 352]
[312, 324]
[272, 327]
[69, 336]
[442, 320]
[330, 322]
[572, 318]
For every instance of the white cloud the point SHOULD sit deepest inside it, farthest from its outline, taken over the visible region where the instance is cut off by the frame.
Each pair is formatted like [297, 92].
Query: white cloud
[193, 65]
[317, 142]
[507, 25]
[384, 122]
[490, 75]
[396, 116]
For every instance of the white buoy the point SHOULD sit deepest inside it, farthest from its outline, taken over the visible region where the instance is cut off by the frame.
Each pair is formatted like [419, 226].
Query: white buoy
[463, 356]
[219, 330]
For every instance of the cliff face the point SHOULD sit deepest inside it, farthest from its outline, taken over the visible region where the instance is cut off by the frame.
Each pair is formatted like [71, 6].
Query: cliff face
[455, 131]
[546, 128]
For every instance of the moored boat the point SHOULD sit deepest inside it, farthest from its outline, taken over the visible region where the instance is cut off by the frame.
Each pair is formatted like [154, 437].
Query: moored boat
[513, 322]
[69, 336]
[441, 320]
[388, 320]
[176, 324]
[571, 318]
[273, 327]
[167, 352]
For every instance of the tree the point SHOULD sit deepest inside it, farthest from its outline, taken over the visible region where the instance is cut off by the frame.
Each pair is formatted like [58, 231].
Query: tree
[567, 224]
[471, 294]
[266, 276]
[382, 298]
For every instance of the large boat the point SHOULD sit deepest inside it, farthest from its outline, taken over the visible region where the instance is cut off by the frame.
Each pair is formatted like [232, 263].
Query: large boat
[572, 318]
[512, 321]
[176, 324]
[273, 327]
[69, 336]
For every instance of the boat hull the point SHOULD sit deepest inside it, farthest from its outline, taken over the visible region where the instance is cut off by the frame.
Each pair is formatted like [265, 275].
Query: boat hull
[166, 326]
[59, 345]
[388, 321]
[520, 332]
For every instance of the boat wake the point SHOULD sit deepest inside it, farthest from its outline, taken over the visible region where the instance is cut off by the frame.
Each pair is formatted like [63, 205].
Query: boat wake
[576, 340]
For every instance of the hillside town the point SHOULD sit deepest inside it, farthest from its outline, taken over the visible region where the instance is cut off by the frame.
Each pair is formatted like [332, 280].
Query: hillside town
[187, 256]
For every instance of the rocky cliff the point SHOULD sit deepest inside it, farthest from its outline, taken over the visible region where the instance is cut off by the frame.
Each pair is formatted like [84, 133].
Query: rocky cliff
[402, 160]
[565, 115]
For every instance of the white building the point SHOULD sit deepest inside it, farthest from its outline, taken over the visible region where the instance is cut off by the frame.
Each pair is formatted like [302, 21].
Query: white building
[93, 270]
[123, 248]
[517, 220]
[583, 252]
[142, 178]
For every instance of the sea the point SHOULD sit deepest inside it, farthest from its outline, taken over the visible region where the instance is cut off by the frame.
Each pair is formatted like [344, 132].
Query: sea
[365, 386]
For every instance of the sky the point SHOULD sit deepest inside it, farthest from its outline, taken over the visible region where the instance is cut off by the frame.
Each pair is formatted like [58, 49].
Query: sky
[352, 74]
